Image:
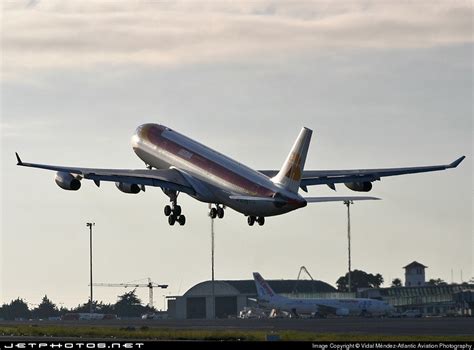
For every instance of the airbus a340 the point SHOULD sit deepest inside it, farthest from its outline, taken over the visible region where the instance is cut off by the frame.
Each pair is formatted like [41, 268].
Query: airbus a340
[178, 164]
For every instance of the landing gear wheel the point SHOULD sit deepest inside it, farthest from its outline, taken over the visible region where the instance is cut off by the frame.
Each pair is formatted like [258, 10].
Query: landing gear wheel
[261, 220]
[181, 220]
[171, 220]
[220, 212]
[167, 210]
[177, 210]
[251, 220]
[213, 213]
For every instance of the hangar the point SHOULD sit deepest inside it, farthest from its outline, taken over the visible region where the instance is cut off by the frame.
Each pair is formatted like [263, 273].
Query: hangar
[231, 296]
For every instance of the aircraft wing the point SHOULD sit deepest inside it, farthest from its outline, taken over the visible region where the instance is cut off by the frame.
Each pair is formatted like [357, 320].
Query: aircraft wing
[165, 178]
[331, 177]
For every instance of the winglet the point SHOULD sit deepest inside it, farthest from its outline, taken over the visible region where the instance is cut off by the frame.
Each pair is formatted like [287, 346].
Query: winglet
[456, 162]
[19, 162]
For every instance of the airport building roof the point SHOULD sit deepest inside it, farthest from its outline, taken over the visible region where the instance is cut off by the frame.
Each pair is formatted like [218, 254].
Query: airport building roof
[248, 287]
[414, 264]
[285, 286]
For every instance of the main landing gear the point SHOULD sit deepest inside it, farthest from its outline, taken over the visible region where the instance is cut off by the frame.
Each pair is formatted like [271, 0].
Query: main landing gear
[218, 211]
[251, 220]
[173, 212]
[174, 215]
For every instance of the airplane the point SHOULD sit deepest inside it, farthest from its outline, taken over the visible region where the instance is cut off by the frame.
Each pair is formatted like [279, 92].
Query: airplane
[177, 164]
[268, 299]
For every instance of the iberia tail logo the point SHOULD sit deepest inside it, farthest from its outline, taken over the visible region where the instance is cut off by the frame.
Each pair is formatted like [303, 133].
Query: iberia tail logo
[264, 285]
[294, 171]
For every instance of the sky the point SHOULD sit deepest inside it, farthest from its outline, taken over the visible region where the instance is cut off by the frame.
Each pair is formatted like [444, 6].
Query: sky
[381, 84]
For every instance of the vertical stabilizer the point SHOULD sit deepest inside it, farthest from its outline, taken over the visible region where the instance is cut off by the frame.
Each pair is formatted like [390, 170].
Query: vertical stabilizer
[264, 291]
[290, 174]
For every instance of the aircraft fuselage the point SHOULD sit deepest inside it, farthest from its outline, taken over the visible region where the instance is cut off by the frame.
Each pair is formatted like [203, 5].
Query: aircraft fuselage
[213, 175]
[341, 307]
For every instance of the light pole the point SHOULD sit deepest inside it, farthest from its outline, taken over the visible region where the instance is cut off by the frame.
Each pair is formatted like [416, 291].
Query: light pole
[348, 204]
[212, 267]
[90, 224]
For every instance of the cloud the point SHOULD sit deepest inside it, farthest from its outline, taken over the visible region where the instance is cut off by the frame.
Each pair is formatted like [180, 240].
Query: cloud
[69, 35]
[30, 128]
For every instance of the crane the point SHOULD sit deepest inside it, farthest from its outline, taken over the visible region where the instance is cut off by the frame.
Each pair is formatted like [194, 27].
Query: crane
[302, 269]
[150, 285]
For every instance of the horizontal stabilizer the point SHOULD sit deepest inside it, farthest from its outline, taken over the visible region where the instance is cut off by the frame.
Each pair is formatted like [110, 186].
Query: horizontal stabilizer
[254, 198]
[308, 199]
[338, 199]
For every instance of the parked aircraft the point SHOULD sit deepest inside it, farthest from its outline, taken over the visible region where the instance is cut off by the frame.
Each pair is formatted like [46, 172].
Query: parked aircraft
[178, 164]
[340, 307]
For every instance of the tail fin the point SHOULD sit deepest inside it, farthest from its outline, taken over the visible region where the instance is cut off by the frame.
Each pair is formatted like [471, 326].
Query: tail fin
[264, 291]
[290, 174]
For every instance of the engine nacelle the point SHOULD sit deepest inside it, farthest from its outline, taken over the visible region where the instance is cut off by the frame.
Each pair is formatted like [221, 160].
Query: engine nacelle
[359, 186]
[67, 181]
[128, 188]
[342, 312]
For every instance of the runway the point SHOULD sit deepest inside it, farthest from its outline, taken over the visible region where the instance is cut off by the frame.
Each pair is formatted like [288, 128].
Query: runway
[370, 326]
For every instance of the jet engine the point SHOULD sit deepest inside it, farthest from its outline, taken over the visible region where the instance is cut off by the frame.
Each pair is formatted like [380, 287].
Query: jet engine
[342, 312]
[359, 186]
[67, 181]
[128, 188]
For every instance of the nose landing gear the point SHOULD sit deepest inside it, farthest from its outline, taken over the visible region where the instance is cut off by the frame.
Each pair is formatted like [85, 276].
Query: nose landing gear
[252, 219]
[217, 212]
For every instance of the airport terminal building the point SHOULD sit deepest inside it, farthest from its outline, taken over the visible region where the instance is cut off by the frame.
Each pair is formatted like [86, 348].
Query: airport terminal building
[428, 300]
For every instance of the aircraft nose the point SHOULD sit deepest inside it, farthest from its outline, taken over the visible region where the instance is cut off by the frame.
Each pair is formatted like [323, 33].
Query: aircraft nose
[137, 135]
[145, 133]
[142, 128]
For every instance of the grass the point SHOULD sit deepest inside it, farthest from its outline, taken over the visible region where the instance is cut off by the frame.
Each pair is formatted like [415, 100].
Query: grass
[146, 333]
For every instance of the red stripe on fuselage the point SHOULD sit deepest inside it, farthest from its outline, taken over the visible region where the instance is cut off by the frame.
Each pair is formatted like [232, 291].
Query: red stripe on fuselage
[153, 133]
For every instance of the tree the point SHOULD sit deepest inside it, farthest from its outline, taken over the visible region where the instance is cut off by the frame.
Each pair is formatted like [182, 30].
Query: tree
[63, 310]
[102, 308]
[359, 279]
[46, 309]
[436, 282]
[129, 305]
[15, 310]
[85, 308]
[397, 282]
